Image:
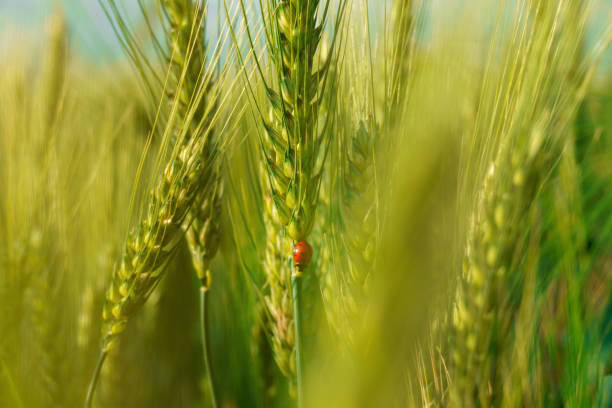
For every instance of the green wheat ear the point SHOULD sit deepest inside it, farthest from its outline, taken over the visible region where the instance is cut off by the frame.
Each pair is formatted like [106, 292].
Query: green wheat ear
[353, 245]
[203, 233]
[150, 246]
[278, 297]
[190, 175]
[293, 143]
[354, 207]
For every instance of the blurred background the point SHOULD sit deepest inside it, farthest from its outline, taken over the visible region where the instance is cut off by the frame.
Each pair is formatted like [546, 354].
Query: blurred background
[92, 34]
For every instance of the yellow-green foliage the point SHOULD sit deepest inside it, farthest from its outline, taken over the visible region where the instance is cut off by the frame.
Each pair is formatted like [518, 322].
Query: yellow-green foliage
[450, 165]
[66, 177]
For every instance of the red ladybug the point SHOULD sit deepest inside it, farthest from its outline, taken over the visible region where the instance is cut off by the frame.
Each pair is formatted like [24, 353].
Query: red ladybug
[302, 253]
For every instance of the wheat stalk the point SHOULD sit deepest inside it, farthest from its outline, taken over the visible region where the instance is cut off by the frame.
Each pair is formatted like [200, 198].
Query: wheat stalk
[149, 248]
[290, 151]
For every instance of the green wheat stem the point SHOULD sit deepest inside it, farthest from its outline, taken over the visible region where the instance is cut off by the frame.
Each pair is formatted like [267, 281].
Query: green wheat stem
[206, 344]
[296, 287]
[94, 379]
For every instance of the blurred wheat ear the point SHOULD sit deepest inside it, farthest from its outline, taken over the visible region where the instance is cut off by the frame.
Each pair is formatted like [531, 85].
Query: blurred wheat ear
[366, 133]
[534, 124]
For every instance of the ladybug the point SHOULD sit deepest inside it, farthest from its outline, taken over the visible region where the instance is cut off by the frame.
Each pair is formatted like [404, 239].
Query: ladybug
[302, 253]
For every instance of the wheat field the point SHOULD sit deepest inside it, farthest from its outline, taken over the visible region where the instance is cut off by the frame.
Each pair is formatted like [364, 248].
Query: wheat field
[308, 203]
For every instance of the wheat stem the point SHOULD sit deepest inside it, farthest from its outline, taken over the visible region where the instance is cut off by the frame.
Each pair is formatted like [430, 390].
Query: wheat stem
[296, 286]
[94, 379]
[206, 344]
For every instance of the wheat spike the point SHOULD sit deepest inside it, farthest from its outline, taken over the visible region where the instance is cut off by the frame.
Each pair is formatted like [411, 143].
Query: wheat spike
[186, 21]
[186, 178]
[293, 145]
[293, 139]
[150, 246]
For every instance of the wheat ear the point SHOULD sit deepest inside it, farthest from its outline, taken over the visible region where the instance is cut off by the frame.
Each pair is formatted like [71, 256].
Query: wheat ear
[293, 144]
[359, 143]
[151, 245]
[149, 248]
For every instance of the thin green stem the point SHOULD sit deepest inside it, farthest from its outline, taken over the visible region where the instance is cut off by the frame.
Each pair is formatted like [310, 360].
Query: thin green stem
[205, 344]
[296, 285]
[94, 379]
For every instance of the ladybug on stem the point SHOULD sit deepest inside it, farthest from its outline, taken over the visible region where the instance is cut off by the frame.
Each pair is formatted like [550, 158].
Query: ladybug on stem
[302, 253]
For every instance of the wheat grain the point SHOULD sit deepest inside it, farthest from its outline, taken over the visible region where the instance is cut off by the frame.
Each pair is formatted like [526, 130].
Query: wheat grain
[278, 299]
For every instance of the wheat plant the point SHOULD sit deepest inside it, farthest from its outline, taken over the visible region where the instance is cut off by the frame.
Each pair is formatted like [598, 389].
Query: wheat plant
[306, 203]
[185, 194]
[294, 144]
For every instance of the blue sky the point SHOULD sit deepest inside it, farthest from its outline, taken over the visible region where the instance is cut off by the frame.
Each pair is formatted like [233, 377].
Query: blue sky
[93, 36]
[88, 25]
[90, 31]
